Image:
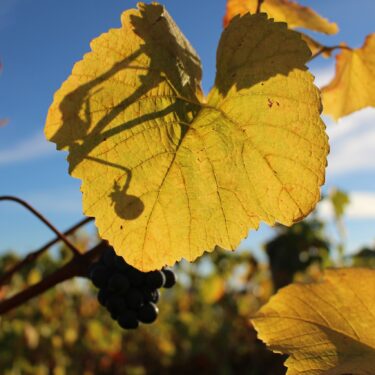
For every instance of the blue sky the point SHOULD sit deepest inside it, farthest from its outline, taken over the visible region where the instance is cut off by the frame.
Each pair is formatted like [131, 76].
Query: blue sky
[40, 40]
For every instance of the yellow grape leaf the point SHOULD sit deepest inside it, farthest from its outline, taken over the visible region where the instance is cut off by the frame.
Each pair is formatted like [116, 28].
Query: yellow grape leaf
[169, 174]
[288, 11]
[326, 327]
[351, 89]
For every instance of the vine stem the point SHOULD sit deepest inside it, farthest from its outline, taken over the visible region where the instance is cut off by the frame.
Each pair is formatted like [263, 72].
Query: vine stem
[61, 236]
[35, 254]
[259, 5]
[78, 266]
[329, 49]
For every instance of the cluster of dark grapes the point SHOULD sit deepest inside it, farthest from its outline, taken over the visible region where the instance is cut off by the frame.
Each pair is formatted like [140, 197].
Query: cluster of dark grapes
[129, 295]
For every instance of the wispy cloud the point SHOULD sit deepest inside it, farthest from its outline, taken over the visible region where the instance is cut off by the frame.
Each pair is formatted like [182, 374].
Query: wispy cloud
[29, 149]
[352, 142]
[352, 138]
[361, 206]
[324, 75]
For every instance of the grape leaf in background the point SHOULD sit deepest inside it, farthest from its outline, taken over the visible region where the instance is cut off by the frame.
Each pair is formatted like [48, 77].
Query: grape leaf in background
[326, 327]
[293, 14]
[169, 174]
[351, 88]
[315, 46]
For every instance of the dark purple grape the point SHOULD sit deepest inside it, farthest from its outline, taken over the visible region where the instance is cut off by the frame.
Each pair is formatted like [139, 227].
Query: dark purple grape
[99, 276]
[118, 283]
[115, 304]
[121, 265]
[134, 298]
[129, 295]
[102, 296]
[155, 279]
[148, 313]
[108, 257]
[135, 276]
[128, 320]
[150, 295]
[170, 278]
[113, 315]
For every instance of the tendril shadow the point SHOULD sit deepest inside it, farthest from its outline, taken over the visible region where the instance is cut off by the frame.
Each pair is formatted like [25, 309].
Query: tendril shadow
[126, 206]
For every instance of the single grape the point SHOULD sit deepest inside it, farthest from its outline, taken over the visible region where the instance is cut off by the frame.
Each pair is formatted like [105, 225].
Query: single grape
[148, 313]
[134, 298]
[128, 320]
[155, 279]
[121, 265]
[150, 295]
[114, 315]
[99, 276]
[170, 278]
[108, 257]
[102, 296]
[118, 283]
[115, 304]
[135, 276]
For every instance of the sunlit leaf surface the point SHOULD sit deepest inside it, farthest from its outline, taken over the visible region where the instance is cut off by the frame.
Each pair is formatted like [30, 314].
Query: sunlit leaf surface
[288, 11]
[352, 87]
[169, 174]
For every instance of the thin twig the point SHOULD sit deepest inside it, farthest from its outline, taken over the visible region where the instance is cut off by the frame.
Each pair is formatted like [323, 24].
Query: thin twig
[328, 49]
[259, 6]
[63, 238]
[31, 257]
[78, 266]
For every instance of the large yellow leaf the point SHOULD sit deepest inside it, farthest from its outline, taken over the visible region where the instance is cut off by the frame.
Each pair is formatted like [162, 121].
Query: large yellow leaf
[169, 175]
[288, 11]
[351, 89]
[327, 327]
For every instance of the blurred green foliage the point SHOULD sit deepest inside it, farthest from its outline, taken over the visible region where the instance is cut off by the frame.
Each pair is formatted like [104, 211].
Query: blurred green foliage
[203, 326]
[340, 200]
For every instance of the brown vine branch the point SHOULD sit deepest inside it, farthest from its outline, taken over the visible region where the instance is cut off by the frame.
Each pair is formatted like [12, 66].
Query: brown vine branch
[78, 266]
[43, 219]
[329, 49]
[31, 257]
[259, 6]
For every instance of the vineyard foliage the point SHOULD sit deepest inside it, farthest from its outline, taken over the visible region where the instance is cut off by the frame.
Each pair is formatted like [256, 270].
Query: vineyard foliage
[203, 325]
[153, 154]
[66, 331]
